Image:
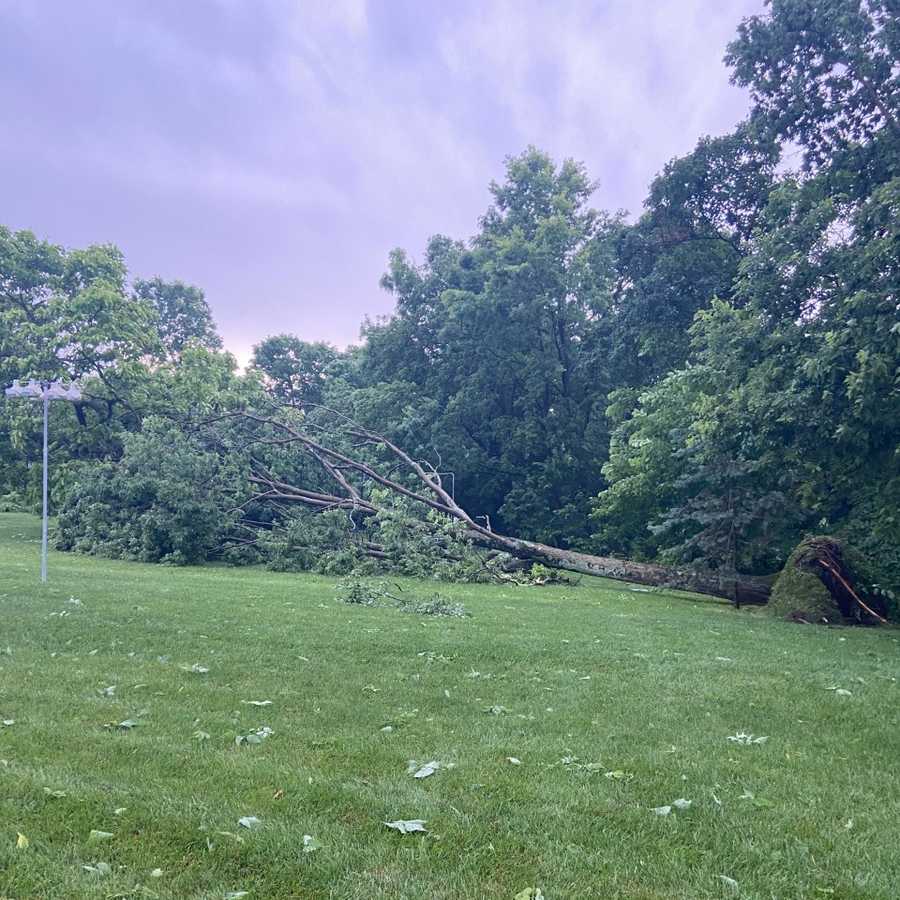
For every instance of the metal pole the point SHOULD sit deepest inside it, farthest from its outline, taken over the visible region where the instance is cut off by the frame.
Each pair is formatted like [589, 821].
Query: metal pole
[46, 391]
[44, 522]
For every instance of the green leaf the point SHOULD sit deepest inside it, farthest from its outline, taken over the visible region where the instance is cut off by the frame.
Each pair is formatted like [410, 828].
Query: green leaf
[407, 826]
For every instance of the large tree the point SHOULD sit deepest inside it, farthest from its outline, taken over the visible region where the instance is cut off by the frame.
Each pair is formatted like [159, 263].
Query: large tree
[785, 417]
[505, 336]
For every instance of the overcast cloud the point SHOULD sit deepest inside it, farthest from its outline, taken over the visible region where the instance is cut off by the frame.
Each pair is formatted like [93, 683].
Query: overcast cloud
[273, 152]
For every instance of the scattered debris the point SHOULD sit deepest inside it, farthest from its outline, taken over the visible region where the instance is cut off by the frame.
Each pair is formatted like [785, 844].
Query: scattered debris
[839, 691]
[424, 771]
[126, 725]
[254, 737]
[360, 593]
[100, 868]
[310, 843]
[196, 668]
[729, 883]
[435, 605]
[97, 835]
[406, 826]
[746, 739]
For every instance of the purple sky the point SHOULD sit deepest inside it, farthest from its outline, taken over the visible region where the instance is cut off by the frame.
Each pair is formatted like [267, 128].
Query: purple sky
[273, 152]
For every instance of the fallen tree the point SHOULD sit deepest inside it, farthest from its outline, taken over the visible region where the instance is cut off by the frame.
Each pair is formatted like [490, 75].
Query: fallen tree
[355, 460]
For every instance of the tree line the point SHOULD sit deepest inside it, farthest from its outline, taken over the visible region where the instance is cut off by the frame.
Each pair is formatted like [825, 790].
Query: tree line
[703, 385]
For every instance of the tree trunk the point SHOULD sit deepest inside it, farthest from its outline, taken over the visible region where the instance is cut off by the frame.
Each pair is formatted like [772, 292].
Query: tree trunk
[740, 589]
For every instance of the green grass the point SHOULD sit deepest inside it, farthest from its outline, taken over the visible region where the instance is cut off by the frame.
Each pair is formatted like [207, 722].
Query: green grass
[628, 680]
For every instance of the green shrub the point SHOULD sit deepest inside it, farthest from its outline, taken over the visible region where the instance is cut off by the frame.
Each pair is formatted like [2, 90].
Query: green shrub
[167, 500]
[12, 502]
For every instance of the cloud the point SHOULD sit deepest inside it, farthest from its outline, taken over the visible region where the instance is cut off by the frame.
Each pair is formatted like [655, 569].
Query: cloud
[315, 136]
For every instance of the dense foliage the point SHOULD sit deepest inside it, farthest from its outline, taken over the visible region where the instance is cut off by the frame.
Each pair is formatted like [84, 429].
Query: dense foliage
[165, 500]
[707, 383]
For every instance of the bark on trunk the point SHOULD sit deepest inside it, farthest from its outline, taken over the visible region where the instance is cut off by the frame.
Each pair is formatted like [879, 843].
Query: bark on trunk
[740, 589]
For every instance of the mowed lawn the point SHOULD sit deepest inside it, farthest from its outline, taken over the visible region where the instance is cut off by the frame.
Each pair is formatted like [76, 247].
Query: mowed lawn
[614, 701]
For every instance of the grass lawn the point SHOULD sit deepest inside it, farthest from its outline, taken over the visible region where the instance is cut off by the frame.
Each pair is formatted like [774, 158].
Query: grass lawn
[615, 701]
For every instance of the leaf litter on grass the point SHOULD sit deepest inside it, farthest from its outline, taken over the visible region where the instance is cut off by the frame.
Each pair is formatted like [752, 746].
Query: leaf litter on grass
[680, 804]
[254, 737]
[746, 739]
[839, 691]
[98, 835]
[426, 770]
[408, 826]
[310, 844]
[730, 883]
[98, 868]
[196, 669]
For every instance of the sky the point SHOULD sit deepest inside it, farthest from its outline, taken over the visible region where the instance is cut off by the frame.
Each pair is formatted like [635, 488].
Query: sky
[273, 152]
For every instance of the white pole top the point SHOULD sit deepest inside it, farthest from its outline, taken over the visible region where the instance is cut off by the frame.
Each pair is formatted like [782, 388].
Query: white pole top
[55, 390]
